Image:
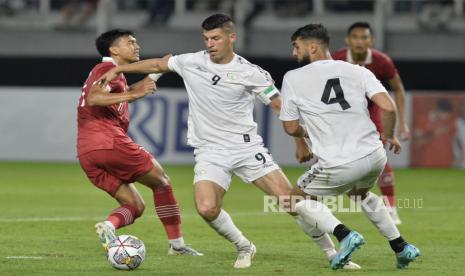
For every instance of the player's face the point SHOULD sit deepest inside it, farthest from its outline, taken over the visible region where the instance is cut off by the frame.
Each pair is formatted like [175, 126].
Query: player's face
[300, 51]
[359, 40]
[127, 49]
[219, 44]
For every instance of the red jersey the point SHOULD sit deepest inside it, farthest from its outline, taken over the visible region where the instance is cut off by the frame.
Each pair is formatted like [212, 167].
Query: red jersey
[383, 68]
[100, 126]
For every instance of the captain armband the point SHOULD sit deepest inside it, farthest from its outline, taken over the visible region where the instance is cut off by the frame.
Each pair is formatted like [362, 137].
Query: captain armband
[267, 95]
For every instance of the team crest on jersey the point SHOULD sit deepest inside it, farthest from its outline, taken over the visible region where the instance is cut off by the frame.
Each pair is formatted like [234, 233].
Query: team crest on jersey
[232, 76]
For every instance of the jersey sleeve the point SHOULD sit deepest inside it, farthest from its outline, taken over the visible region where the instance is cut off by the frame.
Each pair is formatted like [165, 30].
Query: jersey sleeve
[389, 69]
[113, 85]
[262, 85]
[289, 110]
[177, 63]
[371, 84]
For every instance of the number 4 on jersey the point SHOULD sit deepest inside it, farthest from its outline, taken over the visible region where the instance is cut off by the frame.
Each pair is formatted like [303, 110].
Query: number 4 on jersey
[334, 84]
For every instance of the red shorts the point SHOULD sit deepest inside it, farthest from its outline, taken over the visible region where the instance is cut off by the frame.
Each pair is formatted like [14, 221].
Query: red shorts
[109, 168]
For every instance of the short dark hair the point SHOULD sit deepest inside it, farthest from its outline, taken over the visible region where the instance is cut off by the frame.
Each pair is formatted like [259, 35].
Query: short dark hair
[106, 40]
[218, 21]
[360, 24]
[312, 31]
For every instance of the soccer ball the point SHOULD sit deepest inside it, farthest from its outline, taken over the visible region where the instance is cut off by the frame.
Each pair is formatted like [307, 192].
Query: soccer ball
[126, 252]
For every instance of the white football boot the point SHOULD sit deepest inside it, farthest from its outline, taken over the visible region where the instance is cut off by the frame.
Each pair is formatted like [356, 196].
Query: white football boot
[106, 234]
[245, 255]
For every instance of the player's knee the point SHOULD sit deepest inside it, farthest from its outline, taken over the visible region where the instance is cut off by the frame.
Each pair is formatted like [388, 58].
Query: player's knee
[208, 211]
[140, 209]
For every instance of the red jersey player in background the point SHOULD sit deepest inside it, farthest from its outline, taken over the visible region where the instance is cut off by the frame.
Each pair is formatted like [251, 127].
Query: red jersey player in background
[360, 41]
[110, 158]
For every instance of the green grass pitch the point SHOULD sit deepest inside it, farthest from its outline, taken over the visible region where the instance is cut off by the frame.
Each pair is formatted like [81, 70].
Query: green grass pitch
[48, 211]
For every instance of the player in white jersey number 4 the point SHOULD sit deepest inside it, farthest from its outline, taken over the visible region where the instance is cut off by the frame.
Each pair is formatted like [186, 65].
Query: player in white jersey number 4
[222, 87]
[331, 98]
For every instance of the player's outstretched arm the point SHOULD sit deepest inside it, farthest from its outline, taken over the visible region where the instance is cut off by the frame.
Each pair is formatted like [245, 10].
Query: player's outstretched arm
[154, 65]
[399, 92]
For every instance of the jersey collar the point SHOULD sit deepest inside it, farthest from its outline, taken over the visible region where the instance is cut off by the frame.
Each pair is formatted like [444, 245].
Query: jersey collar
[109, 59]
[219, 65]
[367, 60]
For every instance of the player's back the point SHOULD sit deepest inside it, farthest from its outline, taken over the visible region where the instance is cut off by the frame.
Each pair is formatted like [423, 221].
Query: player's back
[331, 96]
[99, 125]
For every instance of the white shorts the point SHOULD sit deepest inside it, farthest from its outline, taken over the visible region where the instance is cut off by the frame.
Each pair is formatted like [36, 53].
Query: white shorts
[361, 173]
[218, 165]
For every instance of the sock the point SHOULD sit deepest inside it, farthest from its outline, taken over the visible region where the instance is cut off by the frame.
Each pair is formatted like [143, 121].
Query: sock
[398, 244]
[317, 214]
[386, 186]
[321, 239]
[224, 226]
[177, 243]
[341, 231]
[377, 213]
[110, 224]
[168, 211]
[124, 215]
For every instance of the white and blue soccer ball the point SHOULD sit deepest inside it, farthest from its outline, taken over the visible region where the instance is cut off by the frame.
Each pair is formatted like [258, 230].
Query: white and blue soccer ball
[126, 252]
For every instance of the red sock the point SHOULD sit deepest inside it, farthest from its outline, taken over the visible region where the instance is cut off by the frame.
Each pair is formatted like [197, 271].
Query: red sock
[386, 185]
[124, 215]
[168, 211]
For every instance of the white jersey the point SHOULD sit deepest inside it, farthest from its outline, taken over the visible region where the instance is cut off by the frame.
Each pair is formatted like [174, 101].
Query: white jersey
[221, 99]
[331, 98]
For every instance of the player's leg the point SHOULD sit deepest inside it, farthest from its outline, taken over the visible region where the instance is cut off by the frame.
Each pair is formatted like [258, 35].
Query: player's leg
[275, 183]
[130, 163]
[131, 204]
[375, 210]
[166, 208]
[208, 200]
[315, 213]
[131, 207]
[386, 183]
[377, 213]
[211, 181]
[314, 184]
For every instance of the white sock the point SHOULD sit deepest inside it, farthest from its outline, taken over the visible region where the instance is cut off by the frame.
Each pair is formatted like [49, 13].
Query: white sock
[317, 215]
[321, 239]
[376, 211]
[177, 243]
[109, 224]
[224, 225]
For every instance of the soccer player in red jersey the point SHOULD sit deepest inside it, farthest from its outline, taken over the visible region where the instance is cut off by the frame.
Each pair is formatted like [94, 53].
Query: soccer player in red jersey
[360, 41]
[110, 158]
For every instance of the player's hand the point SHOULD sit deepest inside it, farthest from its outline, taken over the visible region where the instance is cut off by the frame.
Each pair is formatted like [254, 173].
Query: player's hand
[144, 87]
[108, 76]
[404, 132]
[394, 145]
[303, 153]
